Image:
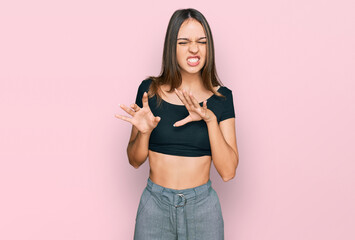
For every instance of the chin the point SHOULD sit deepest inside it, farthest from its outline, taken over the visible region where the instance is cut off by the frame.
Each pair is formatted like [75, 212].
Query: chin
[193, 71]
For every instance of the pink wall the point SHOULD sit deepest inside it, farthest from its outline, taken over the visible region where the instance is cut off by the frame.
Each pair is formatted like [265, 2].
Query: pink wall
[65, 66]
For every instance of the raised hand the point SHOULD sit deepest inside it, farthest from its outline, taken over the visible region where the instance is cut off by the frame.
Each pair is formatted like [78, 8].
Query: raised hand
[142, 118]
[196, 112]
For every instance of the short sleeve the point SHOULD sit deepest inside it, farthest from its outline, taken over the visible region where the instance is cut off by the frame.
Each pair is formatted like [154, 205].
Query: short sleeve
[143, 87]
[228, 107]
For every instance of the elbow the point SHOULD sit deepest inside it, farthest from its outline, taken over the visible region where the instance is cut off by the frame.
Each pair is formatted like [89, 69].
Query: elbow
[131, 160]
[228, 178]
[231, 175]
[133, 164]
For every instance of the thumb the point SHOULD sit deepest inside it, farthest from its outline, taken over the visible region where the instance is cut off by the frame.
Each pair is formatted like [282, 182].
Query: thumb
[157, 119]
[182, 122]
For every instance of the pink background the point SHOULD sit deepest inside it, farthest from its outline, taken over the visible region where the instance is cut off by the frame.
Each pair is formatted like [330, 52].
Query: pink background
[65, 66]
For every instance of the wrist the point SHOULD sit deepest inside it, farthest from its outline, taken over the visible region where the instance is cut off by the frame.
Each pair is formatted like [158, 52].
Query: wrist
[145, 133]
[211, 117]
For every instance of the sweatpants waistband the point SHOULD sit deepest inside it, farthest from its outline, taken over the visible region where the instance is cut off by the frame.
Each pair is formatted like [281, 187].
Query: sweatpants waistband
[182, 197]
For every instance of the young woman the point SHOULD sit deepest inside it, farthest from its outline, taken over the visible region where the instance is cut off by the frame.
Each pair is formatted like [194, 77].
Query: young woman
[183, 120]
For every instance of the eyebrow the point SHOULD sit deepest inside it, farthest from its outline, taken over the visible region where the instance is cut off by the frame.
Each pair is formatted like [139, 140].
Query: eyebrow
[188, 39]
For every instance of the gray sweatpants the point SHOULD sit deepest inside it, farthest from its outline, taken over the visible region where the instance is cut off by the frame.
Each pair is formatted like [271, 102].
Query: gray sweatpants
[187, 214]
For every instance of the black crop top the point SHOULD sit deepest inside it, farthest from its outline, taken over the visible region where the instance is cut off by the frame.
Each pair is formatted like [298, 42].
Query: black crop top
[192, 138]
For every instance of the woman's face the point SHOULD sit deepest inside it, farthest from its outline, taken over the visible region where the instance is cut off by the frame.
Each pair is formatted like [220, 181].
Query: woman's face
[191, 47]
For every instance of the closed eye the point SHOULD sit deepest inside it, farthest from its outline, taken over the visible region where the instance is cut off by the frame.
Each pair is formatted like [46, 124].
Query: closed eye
[186, 42]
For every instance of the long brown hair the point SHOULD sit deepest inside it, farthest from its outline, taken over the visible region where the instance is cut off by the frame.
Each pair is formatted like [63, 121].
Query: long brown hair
[170, 70]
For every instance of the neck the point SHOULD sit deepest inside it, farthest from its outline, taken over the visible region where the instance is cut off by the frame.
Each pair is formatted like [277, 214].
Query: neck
[191, 81]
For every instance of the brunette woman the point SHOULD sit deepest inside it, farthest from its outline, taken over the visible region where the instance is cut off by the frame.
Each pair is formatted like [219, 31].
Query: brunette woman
[182, 121]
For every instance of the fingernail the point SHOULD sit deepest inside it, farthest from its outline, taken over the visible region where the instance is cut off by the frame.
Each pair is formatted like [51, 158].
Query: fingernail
[174, 125]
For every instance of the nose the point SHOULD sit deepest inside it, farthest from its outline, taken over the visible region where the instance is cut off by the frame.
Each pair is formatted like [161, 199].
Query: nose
[193, 47]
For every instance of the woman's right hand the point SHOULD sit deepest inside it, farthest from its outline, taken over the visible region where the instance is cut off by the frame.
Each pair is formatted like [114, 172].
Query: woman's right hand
[142, 118]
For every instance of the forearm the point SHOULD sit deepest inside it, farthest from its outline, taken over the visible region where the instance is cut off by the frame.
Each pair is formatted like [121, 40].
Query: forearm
[225, 159]
[137, 149]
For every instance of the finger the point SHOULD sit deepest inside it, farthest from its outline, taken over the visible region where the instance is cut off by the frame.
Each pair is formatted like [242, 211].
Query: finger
[135, 107]
[194, 101]
[182, 122]
[127, 119]
[188, 98]
[205, 105]
[182, 98]
[145, 100]
[157, 119]
[127, 110]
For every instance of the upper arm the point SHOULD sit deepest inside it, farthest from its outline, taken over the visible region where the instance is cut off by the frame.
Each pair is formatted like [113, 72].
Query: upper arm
[227, 106]
[227, 122]
[228, 130]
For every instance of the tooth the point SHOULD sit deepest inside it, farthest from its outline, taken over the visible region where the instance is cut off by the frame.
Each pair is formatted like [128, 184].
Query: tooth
[192, 59]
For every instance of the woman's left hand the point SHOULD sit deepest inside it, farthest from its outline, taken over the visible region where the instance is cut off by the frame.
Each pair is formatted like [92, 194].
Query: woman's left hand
[196, 112]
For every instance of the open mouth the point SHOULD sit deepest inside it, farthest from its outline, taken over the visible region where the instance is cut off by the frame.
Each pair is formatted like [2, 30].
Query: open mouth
[193, 61]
